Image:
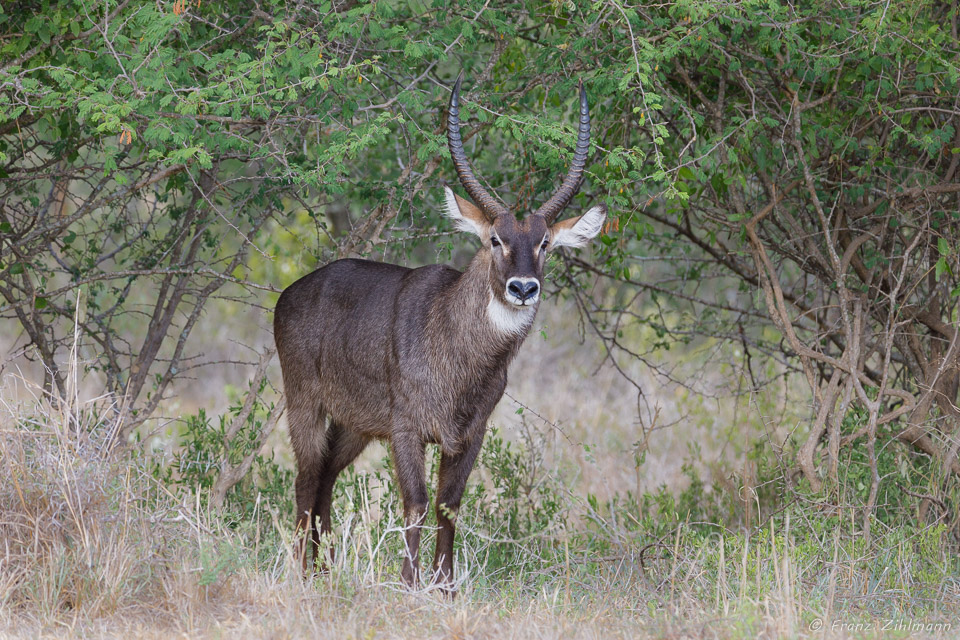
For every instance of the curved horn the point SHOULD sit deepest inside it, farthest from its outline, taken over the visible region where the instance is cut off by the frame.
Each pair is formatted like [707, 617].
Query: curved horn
[571, 184]
[490, 207]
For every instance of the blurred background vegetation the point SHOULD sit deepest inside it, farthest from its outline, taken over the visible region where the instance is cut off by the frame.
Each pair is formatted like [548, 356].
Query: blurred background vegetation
[759, 359]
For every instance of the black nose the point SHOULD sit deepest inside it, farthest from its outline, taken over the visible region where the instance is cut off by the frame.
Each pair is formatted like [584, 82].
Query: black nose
[523, 289]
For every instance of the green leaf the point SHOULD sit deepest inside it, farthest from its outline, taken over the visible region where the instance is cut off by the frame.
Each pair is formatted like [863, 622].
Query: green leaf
[40, 303]
[413, 50]
[941, 267]
[943, 247]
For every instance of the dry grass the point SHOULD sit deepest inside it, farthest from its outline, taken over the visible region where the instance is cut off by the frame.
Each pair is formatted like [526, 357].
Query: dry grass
[94, 546]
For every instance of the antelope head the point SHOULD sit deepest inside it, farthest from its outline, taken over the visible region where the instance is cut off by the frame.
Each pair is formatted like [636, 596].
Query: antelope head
[518, 248]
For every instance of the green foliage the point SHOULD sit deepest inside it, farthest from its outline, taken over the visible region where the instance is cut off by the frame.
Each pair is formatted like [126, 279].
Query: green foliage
[516, 507]
[512, 504]
[197, 462]
[687, 543]
[691, 103]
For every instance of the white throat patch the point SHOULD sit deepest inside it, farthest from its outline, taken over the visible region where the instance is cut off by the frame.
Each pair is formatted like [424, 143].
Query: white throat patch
[510, 319]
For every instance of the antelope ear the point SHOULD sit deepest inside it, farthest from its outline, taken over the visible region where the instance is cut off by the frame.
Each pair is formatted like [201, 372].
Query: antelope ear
[577, 232]
[466, 216]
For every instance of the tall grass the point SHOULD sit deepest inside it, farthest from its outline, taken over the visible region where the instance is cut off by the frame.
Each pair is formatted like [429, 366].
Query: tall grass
[97, 542]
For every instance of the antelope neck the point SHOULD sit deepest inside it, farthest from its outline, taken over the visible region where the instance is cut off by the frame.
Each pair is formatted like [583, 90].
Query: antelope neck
[475, 310]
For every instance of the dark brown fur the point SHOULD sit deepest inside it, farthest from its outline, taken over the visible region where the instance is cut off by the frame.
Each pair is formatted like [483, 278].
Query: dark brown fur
[416, 356]
[404, 355]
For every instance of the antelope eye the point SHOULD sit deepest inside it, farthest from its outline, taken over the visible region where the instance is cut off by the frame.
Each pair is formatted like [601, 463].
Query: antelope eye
[494, 241]
[546, 241]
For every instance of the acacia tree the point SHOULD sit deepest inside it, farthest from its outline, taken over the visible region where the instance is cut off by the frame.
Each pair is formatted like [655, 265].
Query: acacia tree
[823, 171]
[150, 152]
[144, 150]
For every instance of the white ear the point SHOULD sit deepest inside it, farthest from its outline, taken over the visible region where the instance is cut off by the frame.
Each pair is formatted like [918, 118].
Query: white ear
[465, 216]
[577, 232]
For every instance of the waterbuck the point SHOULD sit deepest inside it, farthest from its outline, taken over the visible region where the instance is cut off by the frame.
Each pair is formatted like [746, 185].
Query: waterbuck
[417, 356]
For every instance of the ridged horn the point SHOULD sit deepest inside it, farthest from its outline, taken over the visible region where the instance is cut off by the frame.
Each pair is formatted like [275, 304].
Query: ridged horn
[571, 184]
[490, 207]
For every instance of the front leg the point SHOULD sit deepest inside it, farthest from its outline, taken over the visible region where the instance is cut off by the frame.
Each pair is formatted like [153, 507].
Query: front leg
[455, 468]
[408, 460]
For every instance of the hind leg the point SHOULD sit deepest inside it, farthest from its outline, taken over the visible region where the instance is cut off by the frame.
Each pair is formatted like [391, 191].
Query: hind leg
[343, 447]
[408, 460]
[309, 440]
